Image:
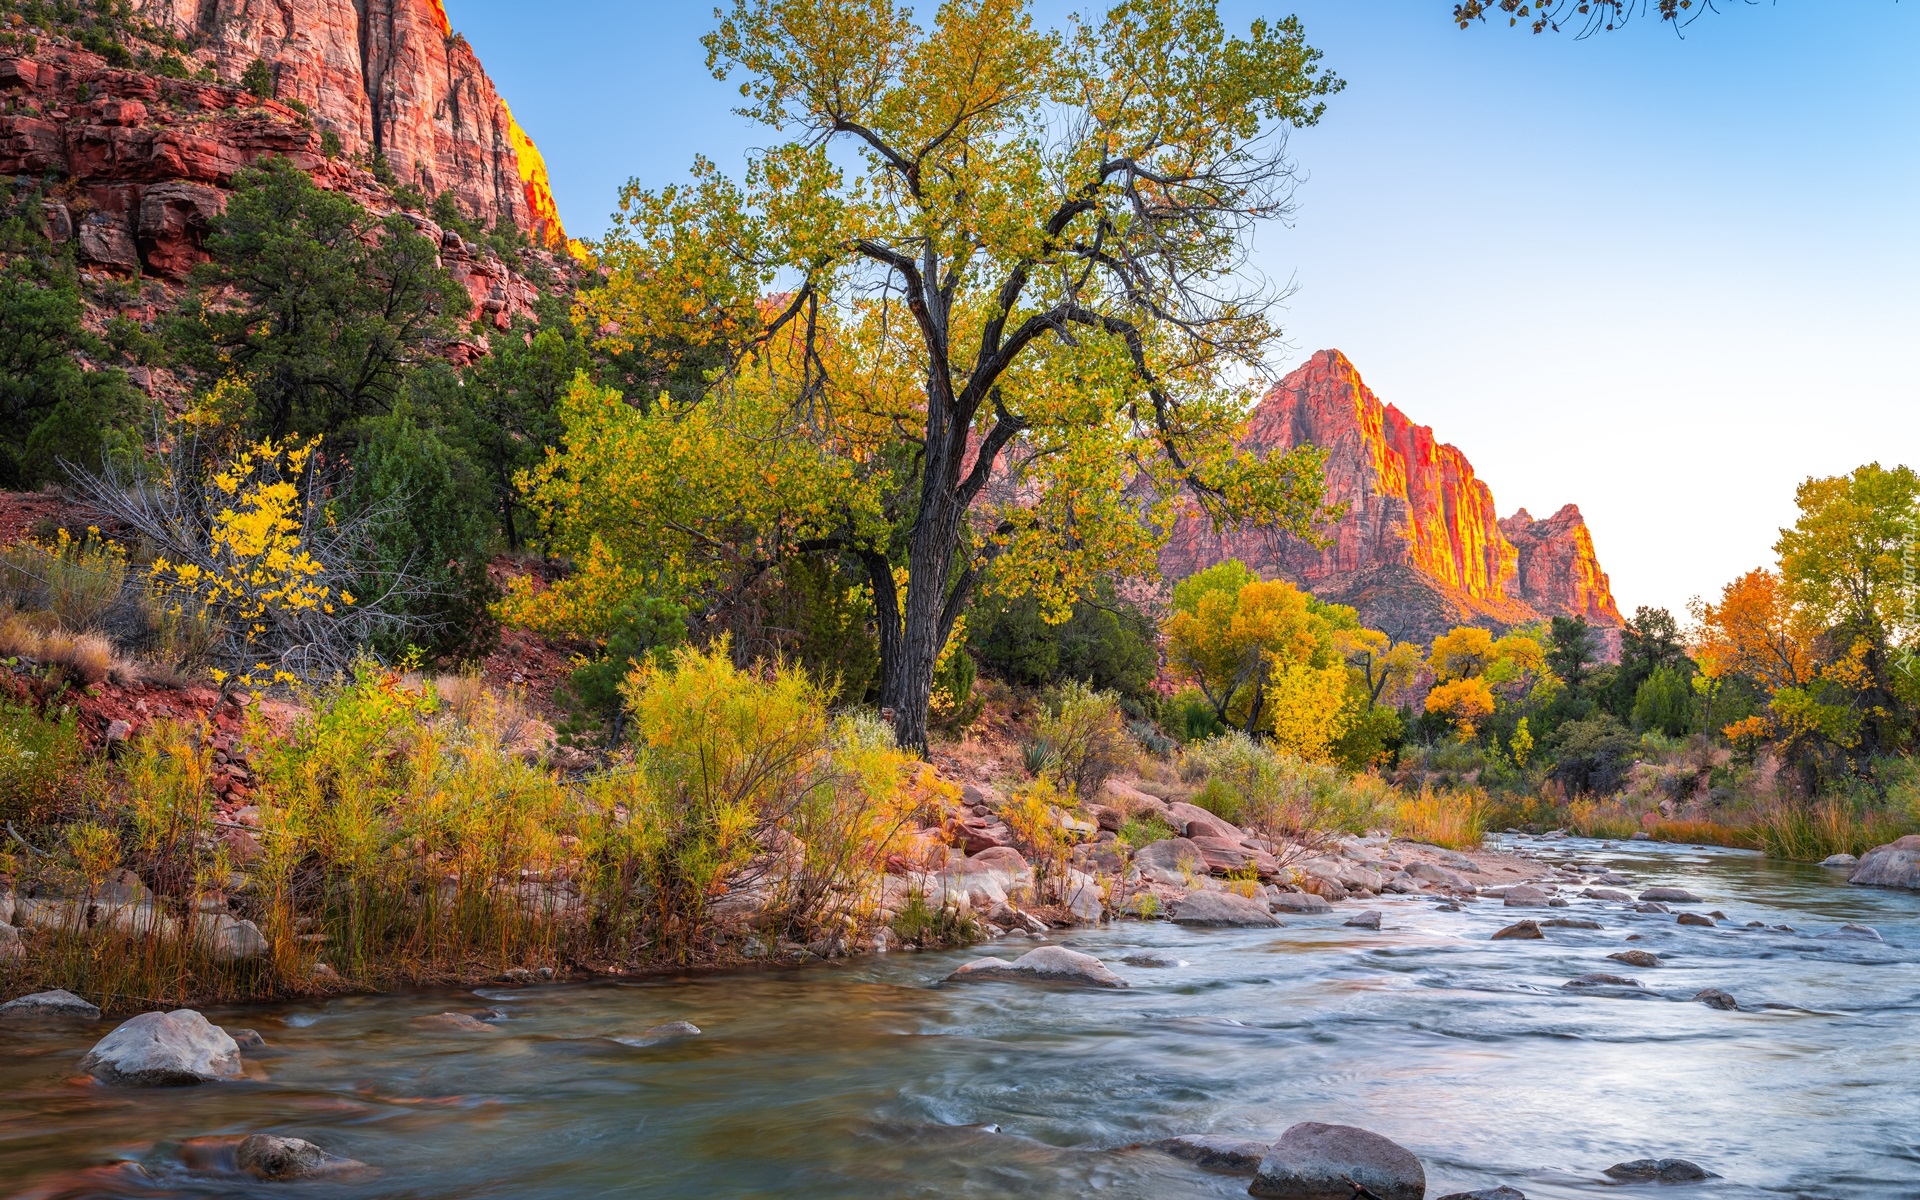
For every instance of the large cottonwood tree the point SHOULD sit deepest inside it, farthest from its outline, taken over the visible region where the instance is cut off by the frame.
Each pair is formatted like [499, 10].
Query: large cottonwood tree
[983, 302]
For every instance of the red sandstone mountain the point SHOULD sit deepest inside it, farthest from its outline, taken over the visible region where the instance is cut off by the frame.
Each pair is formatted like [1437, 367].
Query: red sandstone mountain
[1420, 548]
[385, 76]
[142, 163]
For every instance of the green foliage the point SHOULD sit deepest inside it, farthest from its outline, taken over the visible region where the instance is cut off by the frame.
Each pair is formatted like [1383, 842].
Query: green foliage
[1373, 736]
[330, 144]
[1105, 643]
[922, 927]
[50, 410]
[1592, 754]
[828, 614]
[1088, 736]
[1664, 702]
[1190, 717]
[330, 308]
[432, 531]
[644, 629]
[505, 416]
[40, 755]
[258, 78]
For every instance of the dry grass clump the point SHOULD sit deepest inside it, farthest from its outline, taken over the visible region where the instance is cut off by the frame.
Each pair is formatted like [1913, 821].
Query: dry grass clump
[1453, 819]
[85, 658]
[1810, 832]
[78, 580]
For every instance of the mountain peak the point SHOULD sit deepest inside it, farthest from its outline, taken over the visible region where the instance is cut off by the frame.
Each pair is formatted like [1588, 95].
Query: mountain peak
[1420, 548]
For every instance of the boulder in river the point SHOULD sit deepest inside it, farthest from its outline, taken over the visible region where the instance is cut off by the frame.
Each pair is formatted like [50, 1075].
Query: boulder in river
[1048, 964]
[1694, 919]
[1522, 895]
[1571, 923]
[1492, 1193]
[1312, 1161]
[1222, 909]
[1670, 895]
[1599, 980]
[1658, 1170]
[57, 1005]
[1303, 903]
[1896, 864]
[164, 1049]
[453, 1022]
[277, 1158]
[1215, 1152]
[1369, 919]
[1520, 931]
[1152, 958]
[1715, 998]
[1636, 958]
[1428, 872]
[1864, 933]
[1839, 860]
[672, 1031]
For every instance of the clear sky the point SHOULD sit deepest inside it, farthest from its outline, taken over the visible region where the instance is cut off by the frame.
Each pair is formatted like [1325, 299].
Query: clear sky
[1664, 278]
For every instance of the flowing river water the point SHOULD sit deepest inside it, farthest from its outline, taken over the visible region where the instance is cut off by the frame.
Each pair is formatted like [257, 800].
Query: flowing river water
[871, 1079]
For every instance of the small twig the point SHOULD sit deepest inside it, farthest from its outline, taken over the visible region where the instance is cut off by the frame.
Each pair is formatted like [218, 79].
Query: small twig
[15, 833]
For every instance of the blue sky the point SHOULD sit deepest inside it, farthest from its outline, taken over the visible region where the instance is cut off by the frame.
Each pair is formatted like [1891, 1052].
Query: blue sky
[1664, 278]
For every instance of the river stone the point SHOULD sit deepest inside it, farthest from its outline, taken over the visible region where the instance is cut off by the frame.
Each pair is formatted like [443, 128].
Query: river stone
[1312, 1161]
[1658, 1170]
[1493, 1193]
[1152, 958]
[58, 1004]
[1636, 958]
[1048, 964]
[672, 1031]
[1896, 864]
[231, 939]
[1641, 836]
[1521, 895]
[1694, 919]
[1222, 908]
[1839, 860]
[1670, 895]
[1651, 906]
[1520, 931]
[1571, 923]
[1715, 998]
[1434, 873]
[1236, 1156]
[454, 1022]
[1369, 919]
[1864, 933]
[276, 1158]
[164, 1049]
[1303, 903]
[1597, 979]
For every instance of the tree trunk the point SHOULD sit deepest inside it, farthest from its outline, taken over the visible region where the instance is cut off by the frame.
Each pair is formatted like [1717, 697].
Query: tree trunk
[936, 536]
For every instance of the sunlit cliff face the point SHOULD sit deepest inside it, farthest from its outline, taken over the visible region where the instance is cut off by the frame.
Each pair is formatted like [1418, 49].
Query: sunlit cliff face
[1419, 545]
[533, 178]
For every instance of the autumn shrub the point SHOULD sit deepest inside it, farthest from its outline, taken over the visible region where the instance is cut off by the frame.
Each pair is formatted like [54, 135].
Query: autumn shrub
[1454, 819]
[1597, 819]
[1034, 815]
[1282, 796]
[1087, 733]
[734, 769]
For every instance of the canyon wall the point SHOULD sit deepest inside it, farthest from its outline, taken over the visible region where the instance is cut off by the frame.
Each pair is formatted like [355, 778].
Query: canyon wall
[387, 77]
[1420, 547]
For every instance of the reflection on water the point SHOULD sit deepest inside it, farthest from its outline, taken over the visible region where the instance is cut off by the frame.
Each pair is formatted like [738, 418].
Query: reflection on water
[867, 1079]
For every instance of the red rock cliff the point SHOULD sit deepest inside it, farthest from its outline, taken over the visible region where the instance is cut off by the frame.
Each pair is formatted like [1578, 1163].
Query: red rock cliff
[388, 77]
[1420, 548]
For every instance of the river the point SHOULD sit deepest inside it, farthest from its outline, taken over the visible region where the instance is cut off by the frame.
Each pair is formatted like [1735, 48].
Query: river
[870, 1079]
